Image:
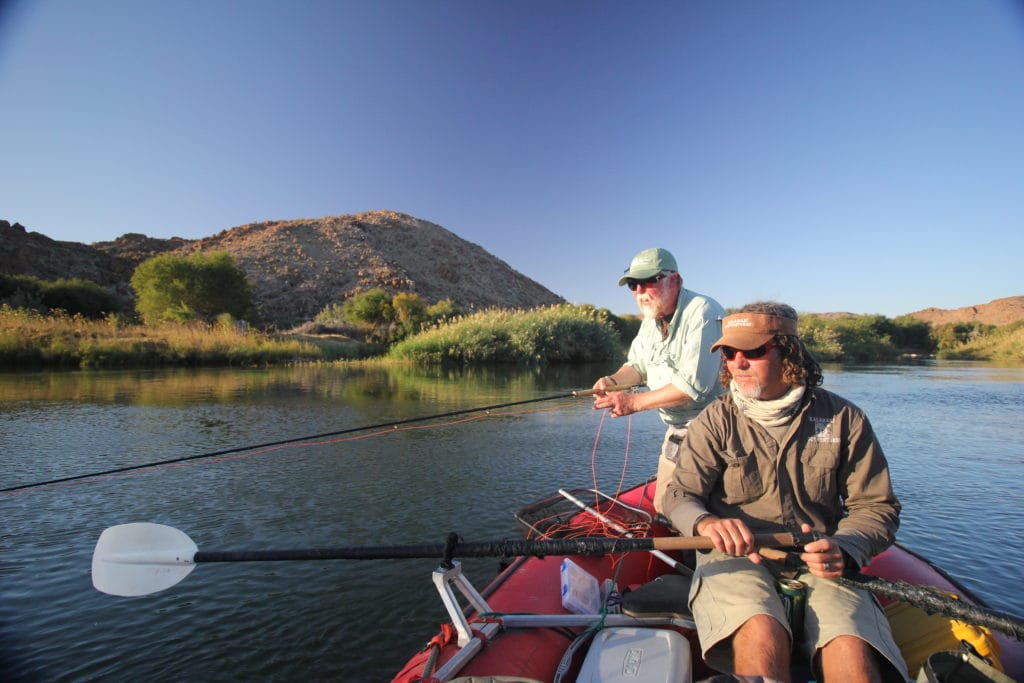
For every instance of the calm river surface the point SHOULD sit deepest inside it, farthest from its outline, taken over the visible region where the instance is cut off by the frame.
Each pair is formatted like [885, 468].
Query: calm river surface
[951, 431]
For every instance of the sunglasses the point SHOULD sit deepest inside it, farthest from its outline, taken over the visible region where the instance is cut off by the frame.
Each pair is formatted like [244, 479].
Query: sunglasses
[730, 353]
[635, 284]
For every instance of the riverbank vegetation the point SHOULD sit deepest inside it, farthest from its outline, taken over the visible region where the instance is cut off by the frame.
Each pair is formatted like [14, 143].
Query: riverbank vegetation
[29, 339]
[187, 312]
[553, 334]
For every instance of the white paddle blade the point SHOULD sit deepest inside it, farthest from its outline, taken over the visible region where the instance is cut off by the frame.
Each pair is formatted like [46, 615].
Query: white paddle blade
[141, 558]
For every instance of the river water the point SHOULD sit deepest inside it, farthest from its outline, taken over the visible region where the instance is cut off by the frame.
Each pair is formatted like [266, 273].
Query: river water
[951, 431]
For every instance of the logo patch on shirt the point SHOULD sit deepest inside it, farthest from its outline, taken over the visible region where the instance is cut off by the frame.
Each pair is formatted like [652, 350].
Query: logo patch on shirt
[823, 430]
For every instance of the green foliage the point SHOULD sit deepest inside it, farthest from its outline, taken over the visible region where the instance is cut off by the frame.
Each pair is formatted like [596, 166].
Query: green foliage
[972, 341]
[554, 334]
[171, 288]
[378, 318]
[21, 291]
[373, 307]
[627, 326]
[913, 334]
[80, 297]
[864, 337]
[73, 296]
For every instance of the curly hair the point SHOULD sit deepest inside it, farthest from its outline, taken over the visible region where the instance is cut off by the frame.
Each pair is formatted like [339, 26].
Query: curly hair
[798, 365]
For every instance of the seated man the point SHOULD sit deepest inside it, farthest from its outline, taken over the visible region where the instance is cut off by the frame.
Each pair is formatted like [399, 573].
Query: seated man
[777, 453]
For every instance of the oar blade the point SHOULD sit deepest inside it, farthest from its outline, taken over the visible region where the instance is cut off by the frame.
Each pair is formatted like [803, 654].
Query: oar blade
[141, 558]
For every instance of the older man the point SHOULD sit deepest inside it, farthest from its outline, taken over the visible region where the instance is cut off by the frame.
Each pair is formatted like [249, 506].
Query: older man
[778, 453]
[670, 354]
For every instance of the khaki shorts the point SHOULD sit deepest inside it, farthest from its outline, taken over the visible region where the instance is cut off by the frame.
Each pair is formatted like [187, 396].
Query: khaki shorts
[727, 591]
[667, 464]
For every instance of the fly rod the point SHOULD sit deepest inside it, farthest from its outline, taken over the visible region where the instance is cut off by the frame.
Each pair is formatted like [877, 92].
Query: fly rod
[351, 430]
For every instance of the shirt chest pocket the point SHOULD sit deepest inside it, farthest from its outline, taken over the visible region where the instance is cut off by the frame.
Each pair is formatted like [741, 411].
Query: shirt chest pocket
[741, 480]
[819, 461]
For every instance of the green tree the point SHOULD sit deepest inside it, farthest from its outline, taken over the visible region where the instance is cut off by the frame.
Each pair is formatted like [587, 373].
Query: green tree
[373, 307]
[443, 311]
[195, 287]
[410, 311]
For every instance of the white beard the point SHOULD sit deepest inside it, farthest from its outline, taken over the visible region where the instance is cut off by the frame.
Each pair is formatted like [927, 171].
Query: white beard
[751, 391]
[649, 310]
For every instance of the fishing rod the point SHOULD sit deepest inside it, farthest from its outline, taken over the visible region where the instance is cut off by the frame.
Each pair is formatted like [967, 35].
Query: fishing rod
[142, 558]
[351, 430]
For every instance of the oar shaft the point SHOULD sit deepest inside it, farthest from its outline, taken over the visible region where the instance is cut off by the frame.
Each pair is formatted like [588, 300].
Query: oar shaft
[504, 548]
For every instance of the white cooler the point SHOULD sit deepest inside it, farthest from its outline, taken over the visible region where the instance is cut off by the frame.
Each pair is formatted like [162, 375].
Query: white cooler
[628, 654]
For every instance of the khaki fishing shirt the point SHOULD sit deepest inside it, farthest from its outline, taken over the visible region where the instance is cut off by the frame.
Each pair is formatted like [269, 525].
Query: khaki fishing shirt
[829, 471]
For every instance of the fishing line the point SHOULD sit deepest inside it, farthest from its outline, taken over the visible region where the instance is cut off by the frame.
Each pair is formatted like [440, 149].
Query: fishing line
[271, 445]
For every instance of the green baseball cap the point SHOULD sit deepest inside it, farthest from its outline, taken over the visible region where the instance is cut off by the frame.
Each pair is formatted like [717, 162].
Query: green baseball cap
[649, 263]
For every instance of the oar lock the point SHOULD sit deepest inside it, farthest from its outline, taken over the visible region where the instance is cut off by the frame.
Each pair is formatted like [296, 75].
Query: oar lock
[449, 550]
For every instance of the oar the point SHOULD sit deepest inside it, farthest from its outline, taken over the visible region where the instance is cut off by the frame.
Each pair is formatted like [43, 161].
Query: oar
[143, 558]
[351, 430]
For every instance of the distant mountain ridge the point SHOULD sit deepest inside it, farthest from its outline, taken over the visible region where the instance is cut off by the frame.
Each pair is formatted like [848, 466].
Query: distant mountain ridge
[996, 312]
[301, 266]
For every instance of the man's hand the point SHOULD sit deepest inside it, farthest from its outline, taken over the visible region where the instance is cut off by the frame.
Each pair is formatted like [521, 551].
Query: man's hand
[730, 536]
[823, 557]
[619, 403]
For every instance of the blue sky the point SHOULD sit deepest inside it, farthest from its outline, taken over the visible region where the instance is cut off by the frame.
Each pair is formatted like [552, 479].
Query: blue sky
[839, 156]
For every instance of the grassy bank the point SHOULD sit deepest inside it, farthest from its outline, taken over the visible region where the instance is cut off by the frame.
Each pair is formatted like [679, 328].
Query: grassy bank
[31, 340]
[1003, 344]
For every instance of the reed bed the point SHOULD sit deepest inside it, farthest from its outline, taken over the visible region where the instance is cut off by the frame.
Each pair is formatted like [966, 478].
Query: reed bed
[554, 334]
[31, 339]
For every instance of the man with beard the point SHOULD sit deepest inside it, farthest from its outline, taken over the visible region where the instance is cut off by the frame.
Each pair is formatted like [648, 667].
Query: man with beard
[778, 453]
[670, 354]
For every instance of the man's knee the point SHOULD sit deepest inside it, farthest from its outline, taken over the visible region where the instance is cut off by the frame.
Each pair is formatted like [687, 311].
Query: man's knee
[850, 658]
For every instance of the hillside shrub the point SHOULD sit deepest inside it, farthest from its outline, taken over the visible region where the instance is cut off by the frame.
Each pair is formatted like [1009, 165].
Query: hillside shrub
[376, 317]
[73, 296]
[21, 291]
[79, 297]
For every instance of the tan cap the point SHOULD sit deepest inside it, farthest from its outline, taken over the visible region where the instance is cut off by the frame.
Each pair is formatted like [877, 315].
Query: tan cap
[746, 331]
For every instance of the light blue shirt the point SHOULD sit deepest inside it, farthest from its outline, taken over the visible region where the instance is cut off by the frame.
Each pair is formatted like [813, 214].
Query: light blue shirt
[683, 358]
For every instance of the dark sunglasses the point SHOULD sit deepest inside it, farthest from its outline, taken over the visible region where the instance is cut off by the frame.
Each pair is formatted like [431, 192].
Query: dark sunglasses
[730, 353]
[635, 284]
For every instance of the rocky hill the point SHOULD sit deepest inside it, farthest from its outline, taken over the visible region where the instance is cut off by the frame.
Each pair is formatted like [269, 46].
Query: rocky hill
[301, 266]
[996, 312]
